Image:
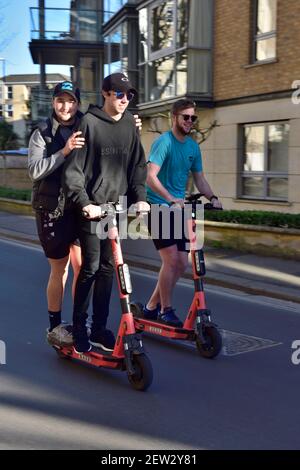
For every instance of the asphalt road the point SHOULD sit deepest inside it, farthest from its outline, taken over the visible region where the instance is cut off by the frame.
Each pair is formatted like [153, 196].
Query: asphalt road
[247, 398]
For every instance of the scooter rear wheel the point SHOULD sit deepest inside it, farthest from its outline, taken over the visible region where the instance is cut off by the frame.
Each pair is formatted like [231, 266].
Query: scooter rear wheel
[213, 342]
[143, 376]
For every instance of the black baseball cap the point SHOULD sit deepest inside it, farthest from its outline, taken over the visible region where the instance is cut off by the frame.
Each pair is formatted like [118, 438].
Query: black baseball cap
[67, 87]
[117, 82]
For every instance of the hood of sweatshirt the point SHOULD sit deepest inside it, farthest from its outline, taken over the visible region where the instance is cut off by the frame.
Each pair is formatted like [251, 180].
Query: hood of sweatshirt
[99, 113]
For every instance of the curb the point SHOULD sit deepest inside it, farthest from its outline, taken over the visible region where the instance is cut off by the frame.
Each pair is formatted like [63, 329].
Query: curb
[19, 237]
[15, 206]
[220, 283]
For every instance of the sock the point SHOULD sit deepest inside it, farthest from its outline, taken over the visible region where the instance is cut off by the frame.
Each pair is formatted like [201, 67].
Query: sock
[151, 309]
[55, 319]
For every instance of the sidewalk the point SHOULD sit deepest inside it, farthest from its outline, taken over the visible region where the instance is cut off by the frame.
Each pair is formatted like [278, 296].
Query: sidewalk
[258, 275]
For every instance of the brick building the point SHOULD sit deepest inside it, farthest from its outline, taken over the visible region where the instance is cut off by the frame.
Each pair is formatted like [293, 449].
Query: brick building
[255, 153]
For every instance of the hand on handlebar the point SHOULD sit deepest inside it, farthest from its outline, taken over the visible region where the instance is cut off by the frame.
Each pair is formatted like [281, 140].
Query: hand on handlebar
[216, 204]
[92, 212]
[142, 207]
[178, 203]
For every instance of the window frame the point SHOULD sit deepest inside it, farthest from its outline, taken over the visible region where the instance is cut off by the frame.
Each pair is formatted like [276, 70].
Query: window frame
[265, 174]
[260, 37]
[10, 92]
[171, 51]
[167, 51]
[9, 110]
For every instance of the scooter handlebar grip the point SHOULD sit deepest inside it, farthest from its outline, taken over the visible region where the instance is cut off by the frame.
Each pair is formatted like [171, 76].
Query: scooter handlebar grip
[209, 207]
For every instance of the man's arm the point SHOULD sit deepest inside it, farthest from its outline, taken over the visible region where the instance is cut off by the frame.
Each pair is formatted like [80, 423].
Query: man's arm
[204, 188]
[73, 178]
[39, 165]
[154, 183]
[137, 172]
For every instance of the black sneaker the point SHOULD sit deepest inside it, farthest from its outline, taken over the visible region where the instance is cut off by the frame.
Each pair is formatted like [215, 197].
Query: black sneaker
[104, 339]
[168, 316]
[151, 314]
[81, 342]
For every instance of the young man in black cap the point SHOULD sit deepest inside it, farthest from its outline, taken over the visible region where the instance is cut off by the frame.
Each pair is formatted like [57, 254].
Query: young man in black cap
[110, 165]
[49, 147]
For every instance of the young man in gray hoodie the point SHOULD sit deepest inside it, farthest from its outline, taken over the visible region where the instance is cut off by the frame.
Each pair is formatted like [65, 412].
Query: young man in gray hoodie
[110, 165]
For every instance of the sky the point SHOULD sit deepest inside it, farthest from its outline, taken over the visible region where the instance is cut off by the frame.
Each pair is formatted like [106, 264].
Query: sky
[15, 30]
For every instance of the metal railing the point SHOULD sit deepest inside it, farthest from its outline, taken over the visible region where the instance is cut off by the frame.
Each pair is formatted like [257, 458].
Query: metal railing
[66, 24]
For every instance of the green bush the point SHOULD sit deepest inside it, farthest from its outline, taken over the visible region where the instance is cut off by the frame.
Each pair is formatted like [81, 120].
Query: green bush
[19, 194]
[271, 219]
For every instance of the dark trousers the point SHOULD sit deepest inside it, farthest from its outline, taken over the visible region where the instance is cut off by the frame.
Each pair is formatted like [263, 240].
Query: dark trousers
[96, 272]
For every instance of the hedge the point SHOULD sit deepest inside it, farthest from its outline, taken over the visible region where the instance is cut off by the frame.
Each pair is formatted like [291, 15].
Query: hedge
[19, 194]
[271, 219]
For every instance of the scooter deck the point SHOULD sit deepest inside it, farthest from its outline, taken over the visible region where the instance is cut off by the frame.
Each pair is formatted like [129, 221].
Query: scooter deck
[162, 329]
[96, 357]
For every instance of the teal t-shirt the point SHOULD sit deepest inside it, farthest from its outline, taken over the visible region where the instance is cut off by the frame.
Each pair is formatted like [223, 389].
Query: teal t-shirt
[176, 160]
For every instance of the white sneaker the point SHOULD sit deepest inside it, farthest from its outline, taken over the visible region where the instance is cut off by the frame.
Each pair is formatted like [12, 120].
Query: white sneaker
[61, 335]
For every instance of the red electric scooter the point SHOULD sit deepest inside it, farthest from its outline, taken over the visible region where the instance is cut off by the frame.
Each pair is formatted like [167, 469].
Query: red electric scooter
[128, 354]
[197, 326]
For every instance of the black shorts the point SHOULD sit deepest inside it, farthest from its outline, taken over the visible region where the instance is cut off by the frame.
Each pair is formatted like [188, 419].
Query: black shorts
[166, 236]
[57, 235]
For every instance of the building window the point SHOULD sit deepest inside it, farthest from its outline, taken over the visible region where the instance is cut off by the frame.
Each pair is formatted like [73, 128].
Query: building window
[265, 161]
[175, 38]
[116, 50]
[9, 110]
[9, 92]
[111, 7]
[162, 26]
[265, 30]
[1, 111]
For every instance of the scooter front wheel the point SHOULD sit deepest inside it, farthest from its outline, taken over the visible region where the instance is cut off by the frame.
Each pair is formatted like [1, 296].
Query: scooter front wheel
[213, 342]
[143, 373]
[136, 309]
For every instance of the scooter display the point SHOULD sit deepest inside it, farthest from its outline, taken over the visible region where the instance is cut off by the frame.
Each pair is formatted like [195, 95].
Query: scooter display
[128, 354]
[198, 325]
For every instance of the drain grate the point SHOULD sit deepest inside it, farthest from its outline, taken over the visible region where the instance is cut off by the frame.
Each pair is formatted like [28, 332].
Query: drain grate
[238, 343]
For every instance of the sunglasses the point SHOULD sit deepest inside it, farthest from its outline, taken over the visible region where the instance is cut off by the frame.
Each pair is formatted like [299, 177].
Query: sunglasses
[187, 117]
[120, 95]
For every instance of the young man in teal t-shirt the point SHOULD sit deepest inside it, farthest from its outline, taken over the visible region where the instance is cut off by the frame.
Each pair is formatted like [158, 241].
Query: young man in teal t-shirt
[173, 155]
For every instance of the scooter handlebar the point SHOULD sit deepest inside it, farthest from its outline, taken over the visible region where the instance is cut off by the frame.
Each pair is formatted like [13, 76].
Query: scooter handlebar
[195, 198]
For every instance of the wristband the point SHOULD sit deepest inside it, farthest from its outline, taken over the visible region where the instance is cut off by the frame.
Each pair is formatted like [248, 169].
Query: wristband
[213, 197]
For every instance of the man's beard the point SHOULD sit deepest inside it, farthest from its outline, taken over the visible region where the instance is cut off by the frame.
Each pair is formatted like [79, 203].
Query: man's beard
[181, 131]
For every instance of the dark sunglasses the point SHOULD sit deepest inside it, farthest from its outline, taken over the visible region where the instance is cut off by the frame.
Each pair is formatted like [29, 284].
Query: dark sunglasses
[187, 117]
[120, 95]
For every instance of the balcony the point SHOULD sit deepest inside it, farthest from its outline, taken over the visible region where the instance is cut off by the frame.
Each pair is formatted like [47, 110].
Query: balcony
[58, 34]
